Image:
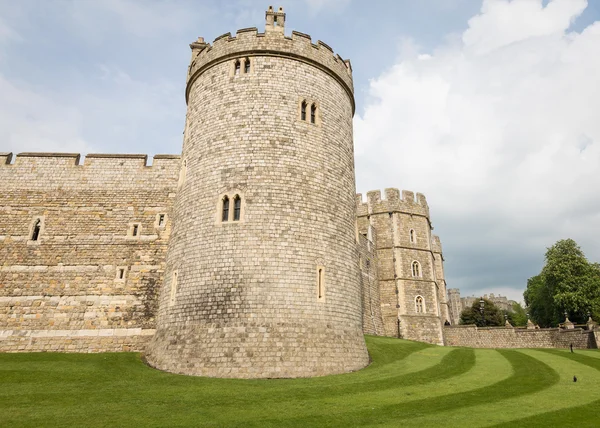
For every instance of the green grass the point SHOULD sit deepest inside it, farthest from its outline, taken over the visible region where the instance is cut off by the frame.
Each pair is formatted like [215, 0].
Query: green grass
[408, 384]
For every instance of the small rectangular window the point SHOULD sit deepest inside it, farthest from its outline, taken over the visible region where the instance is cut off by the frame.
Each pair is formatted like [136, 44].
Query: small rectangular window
[37, 227]
[320, 283]
[173, 288]
[134, 232]
[161, 220]
[121, 273]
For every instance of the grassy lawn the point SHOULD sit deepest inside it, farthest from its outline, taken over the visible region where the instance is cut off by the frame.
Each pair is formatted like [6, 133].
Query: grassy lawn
[408, 384]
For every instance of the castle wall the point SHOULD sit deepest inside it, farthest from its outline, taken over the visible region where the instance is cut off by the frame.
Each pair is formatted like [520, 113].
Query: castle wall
[502, 337]
[64, 291]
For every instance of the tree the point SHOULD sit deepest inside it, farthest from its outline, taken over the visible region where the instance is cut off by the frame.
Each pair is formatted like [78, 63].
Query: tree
[567, 283]
[517, 317]
[540, 302]
[492, 314]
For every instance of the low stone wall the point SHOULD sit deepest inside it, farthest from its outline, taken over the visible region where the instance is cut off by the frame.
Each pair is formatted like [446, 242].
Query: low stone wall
[84, 341]
[507, 337]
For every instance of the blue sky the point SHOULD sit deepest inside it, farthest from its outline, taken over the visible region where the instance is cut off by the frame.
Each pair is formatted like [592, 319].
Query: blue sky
[488, 107]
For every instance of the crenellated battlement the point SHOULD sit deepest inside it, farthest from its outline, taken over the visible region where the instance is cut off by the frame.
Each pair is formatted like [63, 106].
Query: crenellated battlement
[91, 160]
[35, 171]
[393, 201]
[249, 42]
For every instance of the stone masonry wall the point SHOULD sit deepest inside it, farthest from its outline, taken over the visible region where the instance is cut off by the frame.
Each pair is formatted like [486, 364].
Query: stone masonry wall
[372, 321]
[64, 292]
[502, 337]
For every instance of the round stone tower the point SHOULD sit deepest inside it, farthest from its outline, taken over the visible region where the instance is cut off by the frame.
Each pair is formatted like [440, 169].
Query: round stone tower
[262, 276]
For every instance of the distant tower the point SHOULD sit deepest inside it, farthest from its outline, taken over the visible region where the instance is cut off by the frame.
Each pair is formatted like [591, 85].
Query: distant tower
[411, 276]
[455, 305]
[262, 274]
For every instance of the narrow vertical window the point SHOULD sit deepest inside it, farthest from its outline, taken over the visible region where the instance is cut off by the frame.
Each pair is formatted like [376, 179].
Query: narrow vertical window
[412, 236]
[135, 230]
[416, 269]
[313, 113]
[121, 273]
[303, 110]
[320, 285]
[225, 211]
[173, 288]
[419, 304]
[237, 207]
[35, 232]
[161, 220]
[247, 65]
[237, 67]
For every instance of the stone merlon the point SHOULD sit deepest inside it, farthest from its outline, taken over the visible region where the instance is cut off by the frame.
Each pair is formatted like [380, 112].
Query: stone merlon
[392, 203]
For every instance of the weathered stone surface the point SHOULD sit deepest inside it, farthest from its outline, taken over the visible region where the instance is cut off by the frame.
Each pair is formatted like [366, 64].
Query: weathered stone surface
[371, 301]
[68, 279]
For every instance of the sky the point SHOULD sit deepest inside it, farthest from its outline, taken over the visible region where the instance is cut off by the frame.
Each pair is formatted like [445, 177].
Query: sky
[491, 108]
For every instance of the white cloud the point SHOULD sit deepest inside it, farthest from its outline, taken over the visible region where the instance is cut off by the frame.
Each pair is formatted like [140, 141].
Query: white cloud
[501, 132]
[502, 23]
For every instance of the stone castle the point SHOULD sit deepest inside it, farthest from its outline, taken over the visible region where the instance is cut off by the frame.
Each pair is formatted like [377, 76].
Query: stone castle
[457, 304]
[250, 255]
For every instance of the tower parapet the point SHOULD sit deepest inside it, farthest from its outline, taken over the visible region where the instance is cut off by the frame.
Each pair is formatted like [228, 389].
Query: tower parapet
[248, 42]
[392, 202]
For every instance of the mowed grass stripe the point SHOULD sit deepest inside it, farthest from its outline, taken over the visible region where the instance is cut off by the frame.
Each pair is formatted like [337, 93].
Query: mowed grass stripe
[421, 359]
[579, 396]
[561, 394]
[529, 376]
[465, 377]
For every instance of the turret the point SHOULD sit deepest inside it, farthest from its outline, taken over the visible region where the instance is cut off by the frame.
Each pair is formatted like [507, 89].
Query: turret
[262, 276]
[275, 20]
